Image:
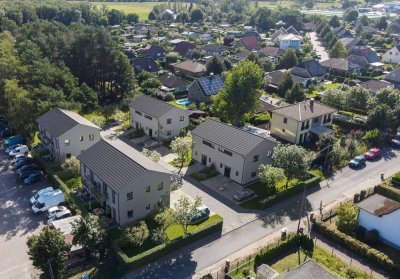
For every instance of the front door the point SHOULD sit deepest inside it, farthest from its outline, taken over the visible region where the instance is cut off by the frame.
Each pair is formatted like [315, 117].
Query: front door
[151, 132]
[204, 159]
[227, 171]
[137, 125]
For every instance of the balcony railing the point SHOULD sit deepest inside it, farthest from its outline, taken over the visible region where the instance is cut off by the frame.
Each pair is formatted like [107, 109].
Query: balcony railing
[94, 189]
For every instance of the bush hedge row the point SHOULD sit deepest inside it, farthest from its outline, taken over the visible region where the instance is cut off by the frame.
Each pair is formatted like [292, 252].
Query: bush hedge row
[126, 263]
[274, 251]
[388, 191]
[358, 247]
[349, 125]
[278, 197]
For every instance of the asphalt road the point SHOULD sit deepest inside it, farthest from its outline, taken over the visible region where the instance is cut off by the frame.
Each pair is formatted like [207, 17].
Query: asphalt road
[200, 255]
[318, 47]
[17, 222]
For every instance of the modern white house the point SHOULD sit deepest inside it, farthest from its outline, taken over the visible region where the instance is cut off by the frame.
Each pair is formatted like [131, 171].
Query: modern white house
[66, 133]
[296, 123]
[234, 152]
[292, 41]
[382, 214]
[392, 56]
[158, 119]
[128, 185]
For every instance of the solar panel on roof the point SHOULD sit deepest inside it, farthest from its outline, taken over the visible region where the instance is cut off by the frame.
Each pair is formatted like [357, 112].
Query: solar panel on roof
[211, 86]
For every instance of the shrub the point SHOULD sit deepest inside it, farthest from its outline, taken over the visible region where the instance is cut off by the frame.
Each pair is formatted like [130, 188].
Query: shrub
[169, 97]
[388, 191]
[261, 118]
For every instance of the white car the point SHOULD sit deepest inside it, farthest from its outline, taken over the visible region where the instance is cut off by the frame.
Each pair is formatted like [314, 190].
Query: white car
[20, 150]
[40, 193]
[54, 210]
[59, 215]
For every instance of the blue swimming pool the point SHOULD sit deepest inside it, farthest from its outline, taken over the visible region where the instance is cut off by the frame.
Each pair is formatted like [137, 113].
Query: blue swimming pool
[184, 102]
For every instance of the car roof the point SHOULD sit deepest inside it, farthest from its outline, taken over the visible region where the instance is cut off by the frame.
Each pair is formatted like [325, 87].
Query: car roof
[375, 149]
[359, 157]
[63, 212]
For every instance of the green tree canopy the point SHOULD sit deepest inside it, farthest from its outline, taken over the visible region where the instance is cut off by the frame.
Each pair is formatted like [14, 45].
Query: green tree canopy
[338, 50]
[295, 94]
[286, 84]
[347, 217]
[289, 59]
[196, 15]
[215, 66]
[334, 21]
[270, 175]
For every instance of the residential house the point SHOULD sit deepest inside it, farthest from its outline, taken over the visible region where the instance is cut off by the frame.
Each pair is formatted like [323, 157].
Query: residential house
[144, 64]
[274, 53]
[128, 185]
[299, 122]
[249, 43]
[205, 37]
[394, 77]
[157, 118]
[274, 78]
[358, 60]
[290, 41]
[392, 56]
[268, 104]
[308, 270]
[189, 68]
[252, 33]
[309, 26]
[234, 33]
[235, 153]
[383, 215]
[374, 85]
[341, 66]
[184, 49]
[213, 49]
[66, 133]
[341, 32]
[369, 54]
[282, 31]
[202, 89]
[139, 38]
[172, 83]
[310, 70]
[350, 43]
[243, 54]
[155, 52]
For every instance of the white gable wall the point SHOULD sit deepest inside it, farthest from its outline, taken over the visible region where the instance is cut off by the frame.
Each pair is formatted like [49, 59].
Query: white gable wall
[392, 56]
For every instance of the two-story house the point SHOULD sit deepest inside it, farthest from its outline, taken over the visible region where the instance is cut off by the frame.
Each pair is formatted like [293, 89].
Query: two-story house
[66, 133]
[392, 56]
[298, 122]
[128, 185]
[290, 41]
[234, 152]
[157, 119]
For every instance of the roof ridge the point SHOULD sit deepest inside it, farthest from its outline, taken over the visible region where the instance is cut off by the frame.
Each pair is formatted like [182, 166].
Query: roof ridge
[233, 126]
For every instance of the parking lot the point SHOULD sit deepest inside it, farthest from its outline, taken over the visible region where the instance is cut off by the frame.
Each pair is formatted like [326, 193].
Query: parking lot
[17, 221]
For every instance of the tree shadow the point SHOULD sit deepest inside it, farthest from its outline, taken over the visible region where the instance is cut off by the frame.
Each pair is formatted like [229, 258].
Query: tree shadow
[388, 154]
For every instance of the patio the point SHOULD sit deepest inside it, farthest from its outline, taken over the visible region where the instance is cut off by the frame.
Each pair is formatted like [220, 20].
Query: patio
[223, 186]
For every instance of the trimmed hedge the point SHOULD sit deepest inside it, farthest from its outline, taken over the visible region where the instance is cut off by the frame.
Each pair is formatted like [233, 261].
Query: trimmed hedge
[277, 249]
[349, 125]
[388, 191]
[358, 247]
[278, 197]
[154, 253]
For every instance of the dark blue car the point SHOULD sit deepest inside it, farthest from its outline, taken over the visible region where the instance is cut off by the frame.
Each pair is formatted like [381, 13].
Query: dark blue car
[33, 177]
[357, 162]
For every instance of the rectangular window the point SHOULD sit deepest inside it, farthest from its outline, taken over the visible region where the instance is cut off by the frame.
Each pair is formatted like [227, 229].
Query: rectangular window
[81, 138]
[138, 112]
[91, 137]
[220, 165]
[148, 117]
[255, 159]
[253, 173]
[269, 153]
[285, 120]
[208, 144]
[169, 133]
[130, 214]
[67, 142]
[220, 149]
[147, 188]
[113, 196]
[283, 130]
[160, 185]
[169, 121]
[148, 206]
[181, 118]
[237, 173]
[129, 196]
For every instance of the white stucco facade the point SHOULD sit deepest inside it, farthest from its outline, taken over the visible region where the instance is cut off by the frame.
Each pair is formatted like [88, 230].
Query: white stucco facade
[239, 168]
[392, 56]
[290, 41]
[387, 225]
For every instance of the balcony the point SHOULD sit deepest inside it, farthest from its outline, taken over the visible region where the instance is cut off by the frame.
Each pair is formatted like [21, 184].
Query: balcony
[94, 189]
[44, 139]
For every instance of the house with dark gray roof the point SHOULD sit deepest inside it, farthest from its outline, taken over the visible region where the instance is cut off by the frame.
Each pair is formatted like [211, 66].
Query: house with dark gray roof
[128, 185]
[341, 66]
[350, 42]
[155, 52]
[66, 133]
[299, 123]
[189, 68]
[374, 85]
[309, 70]
[144, 64]
[235, 153]
[274, 53]
[380, 213]
[308, 270]
[394, 77]
[213, 49]
[172, 83]
[202, 89]
[157, 118]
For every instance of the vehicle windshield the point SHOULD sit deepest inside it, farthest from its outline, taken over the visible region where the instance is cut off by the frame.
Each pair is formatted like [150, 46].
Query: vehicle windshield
[39, 205]
[357, 159]
[373, 151]
[36, 196]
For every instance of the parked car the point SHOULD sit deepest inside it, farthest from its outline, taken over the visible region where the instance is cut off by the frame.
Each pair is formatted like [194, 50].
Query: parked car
[18, 158]
[23, 149]
[31, 166]
[40, 193]
[14, 140]
[58, 216]
[395, 142]
[22, 162]
[357, 162]
[11, 148]
[373, 153]
[24, 174]
[201, 213]
[47, 201]
[33, 177]
[54, 210]
[243, 194]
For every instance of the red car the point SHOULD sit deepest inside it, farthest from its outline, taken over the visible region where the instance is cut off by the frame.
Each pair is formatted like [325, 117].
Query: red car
[373, 153]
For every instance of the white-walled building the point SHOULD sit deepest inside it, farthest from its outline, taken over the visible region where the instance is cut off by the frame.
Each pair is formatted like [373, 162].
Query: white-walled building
[292, 41]
[382, 214]
[295, 123]
[392, 56]
[234, 152]
[66, 133]
[157, 118]
[128, 185]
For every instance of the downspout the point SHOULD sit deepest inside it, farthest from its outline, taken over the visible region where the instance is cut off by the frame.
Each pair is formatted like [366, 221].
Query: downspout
[244, 163]
[119, 215]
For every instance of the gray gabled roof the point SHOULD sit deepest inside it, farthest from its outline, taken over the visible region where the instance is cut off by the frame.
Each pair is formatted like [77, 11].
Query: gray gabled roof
[308, 270]
[152, 106]
[379, 205]
[229, 137]
[304, 110]
[117, 164]
[58, 121]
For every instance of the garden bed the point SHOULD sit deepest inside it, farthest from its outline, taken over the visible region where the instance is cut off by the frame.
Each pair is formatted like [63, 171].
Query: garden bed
[205, 173]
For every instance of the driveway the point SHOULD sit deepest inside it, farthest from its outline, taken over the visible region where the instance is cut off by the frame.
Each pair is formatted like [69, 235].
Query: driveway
[199, 256]
[17, 222]
[318, 47]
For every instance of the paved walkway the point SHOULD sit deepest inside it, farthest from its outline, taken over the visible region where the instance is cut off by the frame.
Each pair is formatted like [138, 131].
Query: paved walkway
[318, 47]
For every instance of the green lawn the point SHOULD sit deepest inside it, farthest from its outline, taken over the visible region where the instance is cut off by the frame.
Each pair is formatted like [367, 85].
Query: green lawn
[176, 105]
[142, 9]
[313, 94]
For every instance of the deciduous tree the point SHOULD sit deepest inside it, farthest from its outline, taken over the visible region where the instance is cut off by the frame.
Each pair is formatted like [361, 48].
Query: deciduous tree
[289, 60]
[338, 50]
[270, 175]
[183, 210]
[182, 147]
[347, 217]
[136, 236]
